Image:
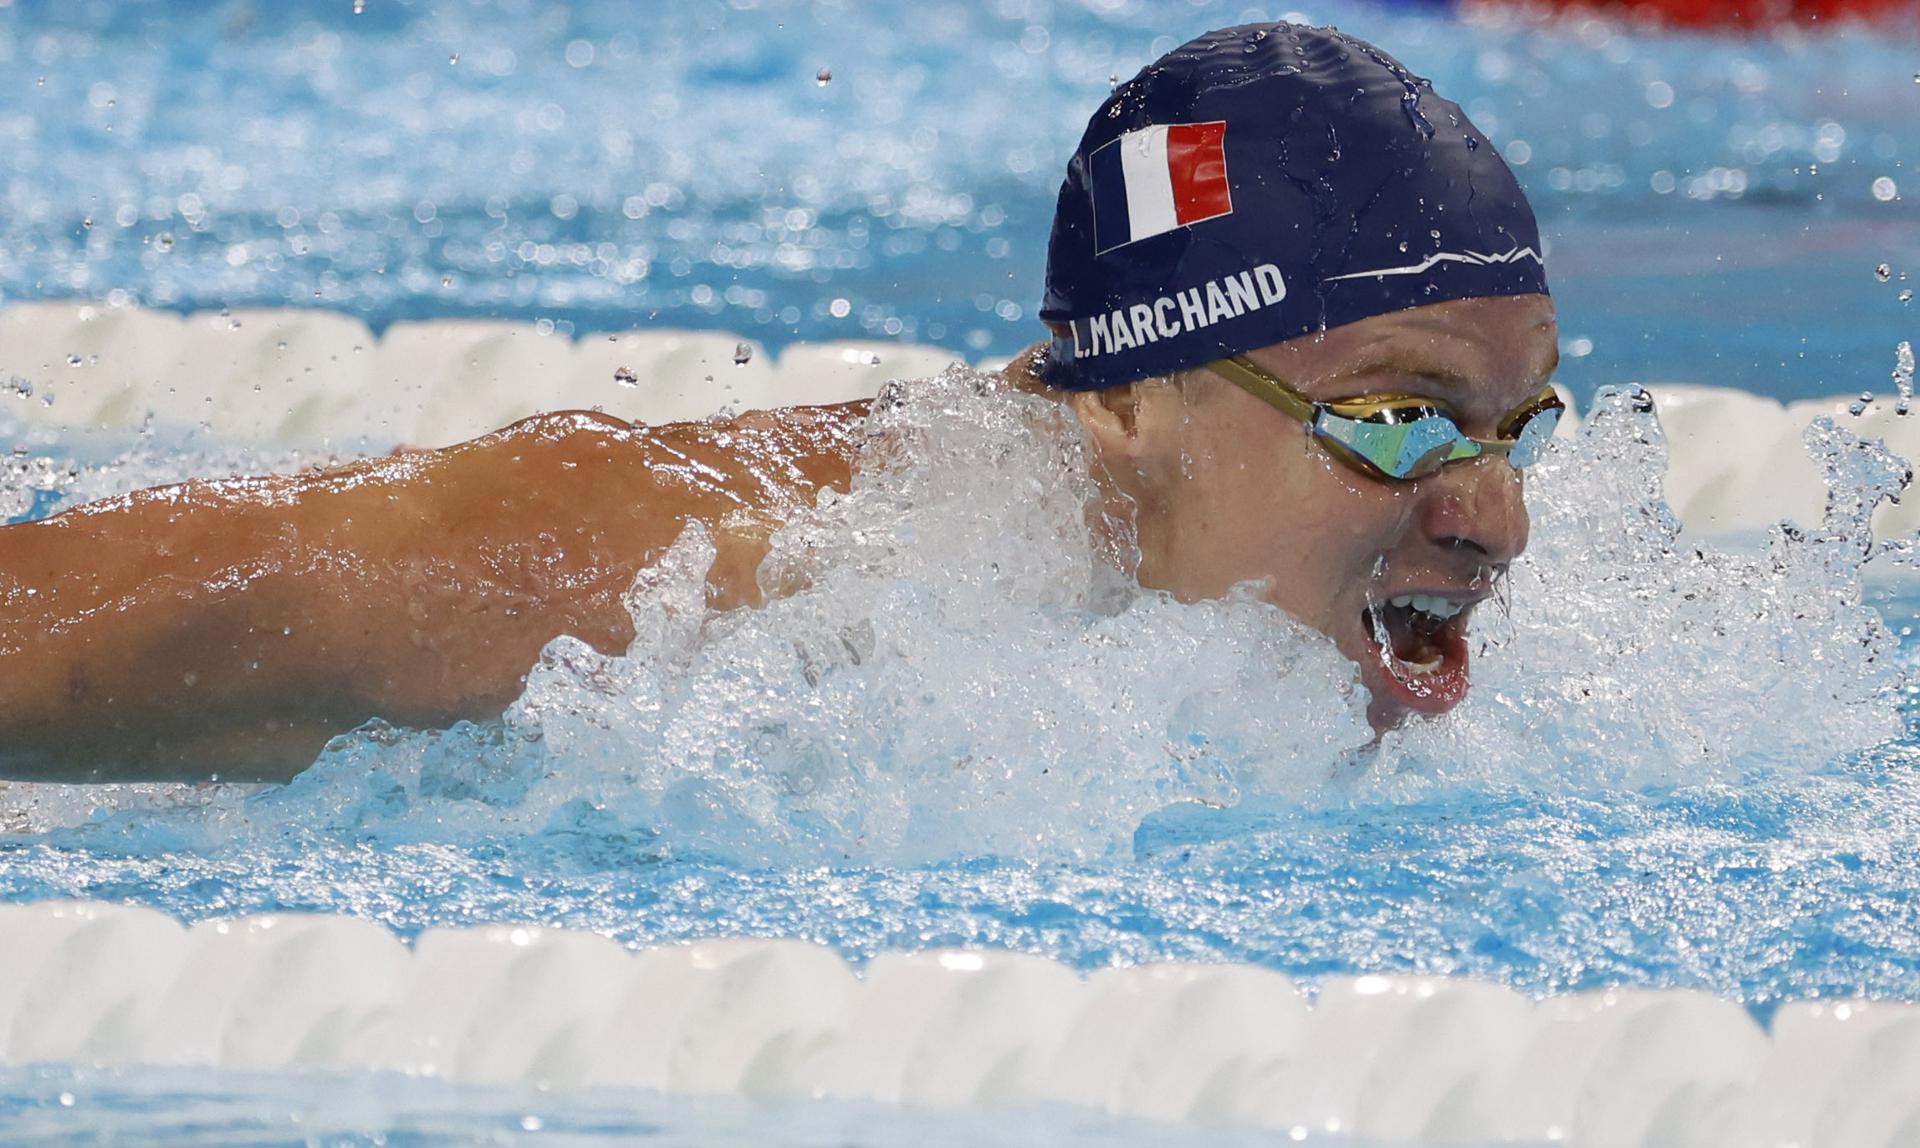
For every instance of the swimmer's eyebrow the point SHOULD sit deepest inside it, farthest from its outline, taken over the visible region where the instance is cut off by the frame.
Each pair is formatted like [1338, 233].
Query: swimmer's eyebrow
[1402, 363]
[1410, 363]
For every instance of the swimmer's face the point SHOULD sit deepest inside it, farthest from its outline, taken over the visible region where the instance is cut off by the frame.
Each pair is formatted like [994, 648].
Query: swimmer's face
[1226, 489]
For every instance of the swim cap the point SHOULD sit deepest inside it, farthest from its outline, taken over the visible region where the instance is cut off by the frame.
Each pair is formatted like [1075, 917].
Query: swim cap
[1261, 183]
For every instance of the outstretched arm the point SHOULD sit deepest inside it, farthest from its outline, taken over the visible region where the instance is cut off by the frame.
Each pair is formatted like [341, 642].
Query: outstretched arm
[231, 627]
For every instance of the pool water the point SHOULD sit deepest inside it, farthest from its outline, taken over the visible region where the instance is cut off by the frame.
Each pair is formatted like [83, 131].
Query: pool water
[1687, 761]
[1713, 205]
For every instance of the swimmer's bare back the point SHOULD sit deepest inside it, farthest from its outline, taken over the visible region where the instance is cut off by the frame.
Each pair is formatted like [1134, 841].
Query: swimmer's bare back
[232, 627]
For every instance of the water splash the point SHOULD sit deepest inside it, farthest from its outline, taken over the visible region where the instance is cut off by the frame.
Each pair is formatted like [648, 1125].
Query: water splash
[1641, 659]
[1903, 376]
[960, 669]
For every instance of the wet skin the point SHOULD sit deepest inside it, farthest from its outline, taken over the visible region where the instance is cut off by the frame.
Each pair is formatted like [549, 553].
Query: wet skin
[232, 627]
[1224, 489]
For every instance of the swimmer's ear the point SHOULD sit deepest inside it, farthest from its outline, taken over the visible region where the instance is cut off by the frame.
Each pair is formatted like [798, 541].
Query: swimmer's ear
[1111, 415]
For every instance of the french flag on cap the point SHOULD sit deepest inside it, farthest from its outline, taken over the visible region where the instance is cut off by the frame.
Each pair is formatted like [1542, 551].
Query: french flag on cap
[1150, 181]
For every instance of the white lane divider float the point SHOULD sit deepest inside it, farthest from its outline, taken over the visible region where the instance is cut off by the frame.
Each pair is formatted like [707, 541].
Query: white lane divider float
[1382, 1059]
[310, 378]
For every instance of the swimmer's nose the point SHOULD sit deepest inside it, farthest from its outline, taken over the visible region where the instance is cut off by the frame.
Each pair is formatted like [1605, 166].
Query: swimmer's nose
[1476, 508]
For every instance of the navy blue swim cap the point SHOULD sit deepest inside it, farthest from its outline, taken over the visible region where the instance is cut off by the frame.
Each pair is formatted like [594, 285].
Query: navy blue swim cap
[1261, 183]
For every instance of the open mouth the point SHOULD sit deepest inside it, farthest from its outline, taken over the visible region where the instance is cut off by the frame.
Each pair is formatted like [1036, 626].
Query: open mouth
[1419, 646]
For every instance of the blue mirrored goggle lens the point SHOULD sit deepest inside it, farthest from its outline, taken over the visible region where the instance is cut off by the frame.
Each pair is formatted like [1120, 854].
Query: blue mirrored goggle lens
[1422, 445]
[1401, 450]
[1533, 438]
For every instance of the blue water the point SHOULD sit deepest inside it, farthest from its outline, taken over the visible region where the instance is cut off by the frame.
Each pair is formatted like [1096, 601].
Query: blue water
[611, 165]
[1709, 201]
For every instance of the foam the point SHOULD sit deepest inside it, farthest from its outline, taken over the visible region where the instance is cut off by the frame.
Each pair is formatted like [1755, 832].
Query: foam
[317, 379]
[1385, 1059]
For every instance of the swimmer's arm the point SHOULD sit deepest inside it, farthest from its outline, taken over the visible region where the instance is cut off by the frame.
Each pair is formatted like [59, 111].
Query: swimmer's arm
[231, 628]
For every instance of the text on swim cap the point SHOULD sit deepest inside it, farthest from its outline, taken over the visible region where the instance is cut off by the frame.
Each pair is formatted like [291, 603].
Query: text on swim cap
[1168, 316]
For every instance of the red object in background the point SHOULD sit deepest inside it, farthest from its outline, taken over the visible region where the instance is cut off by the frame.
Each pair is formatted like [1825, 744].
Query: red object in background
[1756, 13]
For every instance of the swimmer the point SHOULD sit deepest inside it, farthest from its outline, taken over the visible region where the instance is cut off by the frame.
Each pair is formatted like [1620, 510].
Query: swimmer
[1296, 302]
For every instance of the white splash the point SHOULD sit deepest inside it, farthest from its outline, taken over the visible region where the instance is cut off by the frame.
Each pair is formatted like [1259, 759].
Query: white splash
[961, 669]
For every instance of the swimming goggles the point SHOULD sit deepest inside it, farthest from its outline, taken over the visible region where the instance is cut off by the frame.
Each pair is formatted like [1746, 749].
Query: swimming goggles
[1400, 437]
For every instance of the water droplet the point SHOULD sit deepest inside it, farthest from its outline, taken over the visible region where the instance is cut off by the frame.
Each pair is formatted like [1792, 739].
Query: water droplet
[41, 81]
[625, 377]
[1903, 372]
[453, 59]
[163, 242]
[823, 77]
[1856, 408]
[1883, 273]
[1906, 296]
[87, 222]
[1403, 247]
[446, 281]
[742, 354]
[73, 360]
[1885, 190]
[281, 345]
[359, 6]
[1113, 80]
[1435, 233]
[22, 388]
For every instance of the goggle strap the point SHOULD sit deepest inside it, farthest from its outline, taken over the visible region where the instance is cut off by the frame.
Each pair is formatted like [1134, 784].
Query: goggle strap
[1243, 374]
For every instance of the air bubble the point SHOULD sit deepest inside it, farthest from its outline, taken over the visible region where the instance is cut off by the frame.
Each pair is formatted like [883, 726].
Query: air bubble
[1885, 190]
[823, 77]
[742, 354]
[625, 377]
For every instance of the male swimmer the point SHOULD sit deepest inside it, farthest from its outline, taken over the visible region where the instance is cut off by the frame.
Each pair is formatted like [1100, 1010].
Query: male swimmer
[1297, 305]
